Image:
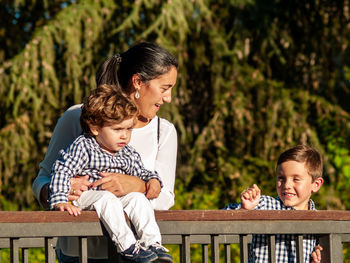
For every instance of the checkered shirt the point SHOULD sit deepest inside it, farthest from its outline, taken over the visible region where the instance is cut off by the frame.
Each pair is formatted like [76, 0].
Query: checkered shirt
[85, 157]
[285, 244]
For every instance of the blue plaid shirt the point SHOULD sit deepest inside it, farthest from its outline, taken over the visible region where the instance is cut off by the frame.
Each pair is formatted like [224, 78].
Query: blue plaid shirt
[85, 157]
[285, 244]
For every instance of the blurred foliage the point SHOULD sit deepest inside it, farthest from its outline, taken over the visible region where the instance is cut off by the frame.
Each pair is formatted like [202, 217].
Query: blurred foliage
[255, 77]
[35, 255]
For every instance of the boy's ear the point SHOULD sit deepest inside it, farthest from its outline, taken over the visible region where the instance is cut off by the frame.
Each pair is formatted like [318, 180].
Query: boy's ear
[316, 185]
[94, 130]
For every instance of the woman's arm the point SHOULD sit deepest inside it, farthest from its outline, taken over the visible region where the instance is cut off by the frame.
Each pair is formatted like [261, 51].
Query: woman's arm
[67, 129]
[166, 166]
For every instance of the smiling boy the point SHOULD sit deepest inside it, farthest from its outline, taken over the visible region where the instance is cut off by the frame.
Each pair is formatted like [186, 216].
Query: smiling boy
[299, 175]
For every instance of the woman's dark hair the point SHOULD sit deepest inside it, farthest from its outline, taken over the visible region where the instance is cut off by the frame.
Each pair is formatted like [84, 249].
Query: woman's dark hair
[146, 59]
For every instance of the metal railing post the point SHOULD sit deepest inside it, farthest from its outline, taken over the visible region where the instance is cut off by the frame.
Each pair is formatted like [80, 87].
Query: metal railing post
[185, 253]
[205, 253]
[215, 249]
[243, 243]
[332, 248]
[227, 253]
[300, 249]
[272, 248]
[83, 253]
[50, 255]
[14, 250]
[24, 255]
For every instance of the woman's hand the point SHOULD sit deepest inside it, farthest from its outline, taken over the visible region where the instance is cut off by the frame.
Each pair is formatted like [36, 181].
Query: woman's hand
[120, 184]
[152, 189]
[78, 185]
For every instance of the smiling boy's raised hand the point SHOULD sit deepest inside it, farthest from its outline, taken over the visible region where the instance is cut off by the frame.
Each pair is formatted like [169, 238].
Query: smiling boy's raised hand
[316, 254]
[250, 197]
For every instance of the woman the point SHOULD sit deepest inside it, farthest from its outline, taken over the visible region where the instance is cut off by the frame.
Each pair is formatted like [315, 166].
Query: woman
[147, 73]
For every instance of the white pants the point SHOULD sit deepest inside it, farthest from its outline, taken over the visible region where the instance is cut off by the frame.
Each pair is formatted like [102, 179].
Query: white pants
[110, 209]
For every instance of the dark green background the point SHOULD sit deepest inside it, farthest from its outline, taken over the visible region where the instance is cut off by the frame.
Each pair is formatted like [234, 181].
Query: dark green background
[255, 78]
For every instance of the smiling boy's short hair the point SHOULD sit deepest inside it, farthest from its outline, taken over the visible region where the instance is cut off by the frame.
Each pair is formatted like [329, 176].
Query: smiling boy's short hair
[106, 104]
[304, 154]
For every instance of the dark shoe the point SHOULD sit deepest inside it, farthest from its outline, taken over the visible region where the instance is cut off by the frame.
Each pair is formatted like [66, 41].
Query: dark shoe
[161, 252]
[138, 254]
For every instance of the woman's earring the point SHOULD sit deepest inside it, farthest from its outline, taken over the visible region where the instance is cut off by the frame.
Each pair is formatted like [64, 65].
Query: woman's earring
[137, 94]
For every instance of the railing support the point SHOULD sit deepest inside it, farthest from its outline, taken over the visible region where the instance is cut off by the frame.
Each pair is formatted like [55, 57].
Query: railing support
[300, 250]
[272, 248]
[243, 242]
[185, 253]
[205, 253]
[215, 249]
[83, 250]
[24, 255]
[14, 250]
[332, 248]
[227, 253]
[50, 255]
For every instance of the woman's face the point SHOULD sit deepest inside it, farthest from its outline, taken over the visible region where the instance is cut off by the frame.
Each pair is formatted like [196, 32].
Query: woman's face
[154, 93]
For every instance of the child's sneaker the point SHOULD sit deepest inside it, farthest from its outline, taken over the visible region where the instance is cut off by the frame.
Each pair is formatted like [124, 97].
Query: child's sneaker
[138, 254]
[160, 251]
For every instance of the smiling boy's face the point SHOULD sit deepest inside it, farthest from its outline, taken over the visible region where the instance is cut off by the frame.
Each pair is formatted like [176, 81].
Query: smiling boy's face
[294, 184]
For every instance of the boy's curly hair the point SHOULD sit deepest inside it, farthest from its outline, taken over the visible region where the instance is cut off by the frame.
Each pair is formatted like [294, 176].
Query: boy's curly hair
[106, 104]
[304, 154]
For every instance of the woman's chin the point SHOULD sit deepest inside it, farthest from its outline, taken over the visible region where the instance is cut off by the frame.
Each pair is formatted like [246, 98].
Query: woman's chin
[145, 119]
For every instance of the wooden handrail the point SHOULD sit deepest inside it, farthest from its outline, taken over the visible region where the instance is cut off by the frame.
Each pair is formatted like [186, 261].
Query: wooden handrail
[224, 215]
[181, 215]
[41, 228]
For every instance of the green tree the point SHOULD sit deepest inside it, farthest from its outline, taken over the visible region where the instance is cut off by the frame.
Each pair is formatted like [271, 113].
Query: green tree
[255, 77]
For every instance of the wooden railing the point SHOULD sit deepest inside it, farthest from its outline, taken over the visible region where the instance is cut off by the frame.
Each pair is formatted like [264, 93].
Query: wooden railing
[209, 228]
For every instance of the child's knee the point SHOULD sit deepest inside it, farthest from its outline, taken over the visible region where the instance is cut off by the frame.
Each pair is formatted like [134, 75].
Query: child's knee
[107, 198]
[137, 198]
[107, 195]
[137, 195]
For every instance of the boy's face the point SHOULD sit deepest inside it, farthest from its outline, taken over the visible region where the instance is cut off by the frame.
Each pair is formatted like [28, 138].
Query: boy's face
[113, 137]
[294, 184]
